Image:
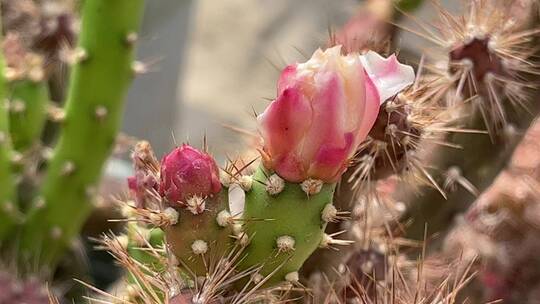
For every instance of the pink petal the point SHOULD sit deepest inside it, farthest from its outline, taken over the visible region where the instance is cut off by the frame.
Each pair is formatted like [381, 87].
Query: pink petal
[388, 75]
[329, 115]
[371, 111]
[283, 126]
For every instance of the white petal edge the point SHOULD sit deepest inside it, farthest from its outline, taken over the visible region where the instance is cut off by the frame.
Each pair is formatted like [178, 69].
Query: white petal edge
[237, 200]
[388, 75]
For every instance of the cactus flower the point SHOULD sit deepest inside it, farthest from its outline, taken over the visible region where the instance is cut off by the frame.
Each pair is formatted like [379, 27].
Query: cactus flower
[324, 109]
[187, 172]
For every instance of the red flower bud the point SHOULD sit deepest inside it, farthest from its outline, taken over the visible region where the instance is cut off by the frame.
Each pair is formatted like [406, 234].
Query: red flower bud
[188, 172]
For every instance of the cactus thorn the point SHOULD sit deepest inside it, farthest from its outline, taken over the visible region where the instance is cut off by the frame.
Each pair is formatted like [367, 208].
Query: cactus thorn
[246, 182]
[328, 240]
[56, 233]
[225, 178]
[46, 153]
[39, 202]
[199, 247]
[17, 158]
[196, 204]
[275, 184]
[243, 239]
[285, 243]
[68, 168]
[292, 277]
[224, 218]
[329, 213]
[56, 114]
[132, 38]
[139, 68]
[123, 241]
[91, 191]
[171, 215]
[36, 74]
[75, 56]
[8, 207]
[257, 278]
[17, 106]
[10, 74]
[101, 112]
[311, 186]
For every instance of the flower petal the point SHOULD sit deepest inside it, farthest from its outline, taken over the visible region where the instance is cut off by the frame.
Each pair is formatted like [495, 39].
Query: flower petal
[388, 75]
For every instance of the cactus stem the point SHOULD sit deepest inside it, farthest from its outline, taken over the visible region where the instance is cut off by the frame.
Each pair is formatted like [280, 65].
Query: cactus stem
[8, 191]
[275, 184]
[311, 186]
[199, 247]
[285, 243]
[224, 218]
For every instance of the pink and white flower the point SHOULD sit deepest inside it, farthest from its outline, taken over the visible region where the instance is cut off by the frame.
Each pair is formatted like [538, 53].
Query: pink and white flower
[325, 108]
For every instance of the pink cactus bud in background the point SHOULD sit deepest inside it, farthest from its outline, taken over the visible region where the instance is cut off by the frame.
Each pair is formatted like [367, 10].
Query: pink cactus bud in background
[325, 109]
[188, 172]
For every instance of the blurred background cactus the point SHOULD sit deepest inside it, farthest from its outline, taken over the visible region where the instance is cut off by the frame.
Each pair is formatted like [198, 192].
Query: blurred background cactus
[381, 171]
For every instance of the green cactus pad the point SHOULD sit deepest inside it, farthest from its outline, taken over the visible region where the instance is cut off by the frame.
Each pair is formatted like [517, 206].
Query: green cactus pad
[201, 227]
[7, 180]
[26, 126]
[289, 213]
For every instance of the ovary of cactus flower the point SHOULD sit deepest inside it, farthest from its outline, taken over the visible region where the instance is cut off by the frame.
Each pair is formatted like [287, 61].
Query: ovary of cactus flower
[187, 172]
[325, 108]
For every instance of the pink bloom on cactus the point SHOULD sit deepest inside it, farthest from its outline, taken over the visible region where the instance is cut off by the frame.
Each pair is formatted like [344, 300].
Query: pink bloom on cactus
[188, 172]
[325, 108]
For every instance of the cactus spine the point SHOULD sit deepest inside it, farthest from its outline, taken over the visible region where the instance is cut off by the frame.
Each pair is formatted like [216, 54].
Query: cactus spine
[98, 83]
[8, 188]
[285, 226]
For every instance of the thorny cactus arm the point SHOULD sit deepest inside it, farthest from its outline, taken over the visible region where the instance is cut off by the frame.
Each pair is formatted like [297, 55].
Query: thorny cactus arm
[8, 188]
[102, 72]
[501, 101]
[28, 113]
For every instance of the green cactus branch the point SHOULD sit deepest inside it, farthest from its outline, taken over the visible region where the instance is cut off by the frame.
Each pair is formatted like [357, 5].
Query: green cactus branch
[290, 215]
[7, 181]
[98, 85]
[28, 114]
